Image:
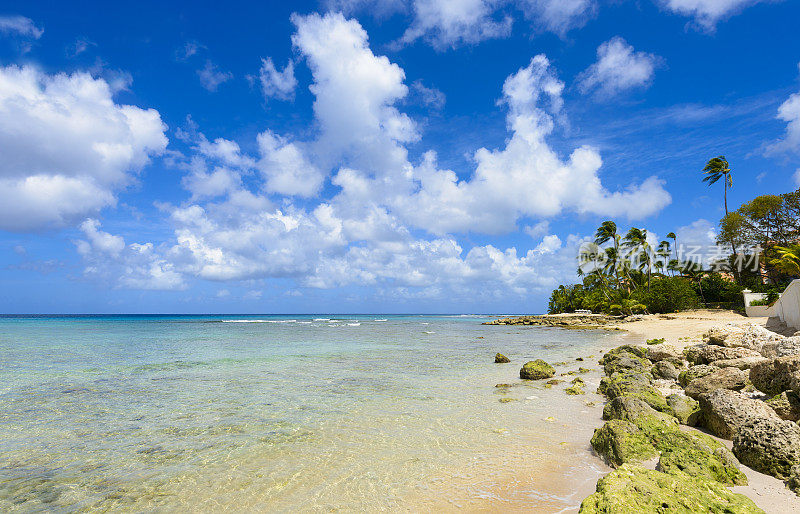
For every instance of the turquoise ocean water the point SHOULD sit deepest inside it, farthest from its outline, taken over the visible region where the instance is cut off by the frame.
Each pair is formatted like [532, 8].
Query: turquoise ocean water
[290, 413]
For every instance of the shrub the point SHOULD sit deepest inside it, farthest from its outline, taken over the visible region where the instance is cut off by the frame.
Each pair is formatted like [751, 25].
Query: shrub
[669, 294]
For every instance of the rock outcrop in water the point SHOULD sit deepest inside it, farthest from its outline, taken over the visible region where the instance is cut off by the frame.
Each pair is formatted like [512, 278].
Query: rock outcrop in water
[561, 320]
[501, 359]
[536, 370]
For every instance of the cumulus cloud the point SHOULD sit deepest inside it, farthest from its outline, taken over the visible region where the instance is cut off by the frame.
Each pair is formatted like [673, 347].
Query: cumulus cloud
[428, 96]
[558, 16]
[211, 77]
[789, 112]
[449, 23]
[67, 147]
[708, 12]
[275, 83]
[134, 266]
[387, 222]
[618, 68]
[20, 26]
[526, 177]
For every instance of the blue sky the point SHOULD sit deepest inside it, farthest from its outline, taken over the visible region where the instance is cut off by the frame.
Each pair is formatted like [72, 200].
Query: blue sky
[386, 156]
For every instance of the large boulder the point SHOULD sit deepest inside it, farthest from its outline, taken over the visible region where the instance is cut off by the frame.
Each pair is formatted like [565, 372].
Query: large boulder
[536, 370]
[776, 375]
[725, 411]
[501, 359]
[756, 336]
[700, 456]
[685, 409]
[664, 352]
[694, 372]
[741, 362]
[619, 441]
[634, 489]
[665, 369]
[708, 353]
[728, 335]
[638, 412]
[786, 405]
[634, 385]
[769, 445]
[781, 347]
[724, 378]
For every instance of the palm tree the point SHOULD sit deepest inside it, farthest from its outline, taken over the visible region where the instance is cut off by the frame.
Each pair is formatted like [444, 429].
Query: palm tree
[636, 241]
[605, 232]
[716, 169]
[674, 238]
[662, 252]
[789, 260]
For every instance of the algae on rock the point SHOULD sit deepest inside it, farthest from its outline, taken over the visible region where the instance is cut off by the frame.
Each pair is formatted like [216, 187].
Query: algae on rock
[633, 489]
[536, 370]
[619, 441]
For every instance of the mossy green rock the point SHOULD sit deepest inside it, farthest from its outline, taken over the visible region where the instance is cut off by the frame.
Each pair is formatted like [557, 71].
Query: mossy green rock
[575, 390]
[634, 385]
[700, 456]
[536, 370]
[619, 441]
[625, 358]
[695, 454]
[698, 371]
[632, 489]
[685, 409]
[501, 359]
[638, 351]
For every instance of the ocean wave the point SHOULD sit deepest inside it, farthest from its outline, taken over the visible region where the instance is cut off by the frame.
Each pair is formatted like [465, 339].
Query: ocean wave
[259, 321]
[380, 320]
[354, 324]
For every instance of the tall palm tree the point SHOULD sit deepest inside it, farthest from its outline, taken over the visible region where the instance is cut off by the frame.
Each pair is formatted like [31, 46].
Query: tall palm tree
[716, 169]
[607, 231]
[674, 238]
[636, 241]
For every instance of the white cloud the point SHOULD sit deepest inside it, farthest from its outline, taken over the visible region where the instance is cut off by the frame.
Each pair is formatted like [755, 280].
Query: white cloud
[708, 12]
[239, 224]
[796, 177]
[355, 91]
[211, 77]
[789, 111]
[526, 177]
[618, 68]
[558, 16]
[285, 168]
[66, 146]
[428, 96]
[277, 84]
[20, 26]
[135, 266]
[450, 23]
[538, 230]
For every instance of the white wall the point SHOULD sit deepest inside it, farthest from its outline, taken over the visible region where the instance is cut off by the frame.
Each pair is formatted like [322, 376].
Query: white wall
[788, 307]
[757, 310]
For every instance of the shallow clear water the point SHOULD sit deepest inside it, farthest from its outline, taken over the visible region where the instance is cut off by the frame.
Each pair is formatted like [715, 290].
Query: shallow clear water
[290, 413]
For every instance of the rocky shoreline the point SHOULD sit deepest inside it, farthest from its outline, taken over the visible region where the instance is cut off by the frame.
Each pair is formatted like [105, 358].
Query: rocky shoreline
[741, 384]
[564, 320]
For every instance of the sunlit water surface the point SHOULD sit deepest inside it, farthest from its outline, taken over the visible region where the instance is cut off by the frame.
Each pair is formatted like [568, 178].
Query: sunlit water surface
[291, 413]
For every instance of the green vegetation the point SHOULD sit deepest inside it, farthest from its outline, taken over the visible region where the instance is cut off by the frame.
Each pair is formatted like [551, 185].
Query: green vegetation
[628, 273]
[660, 340]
